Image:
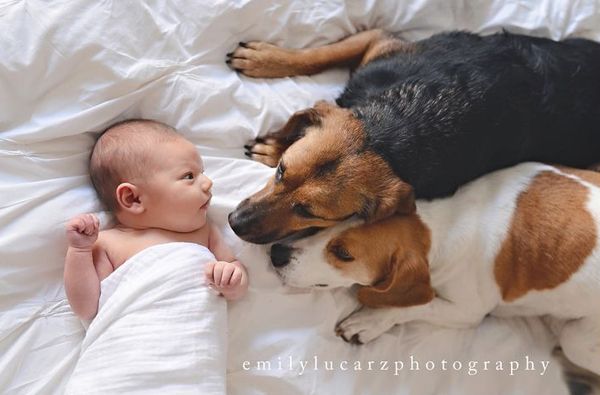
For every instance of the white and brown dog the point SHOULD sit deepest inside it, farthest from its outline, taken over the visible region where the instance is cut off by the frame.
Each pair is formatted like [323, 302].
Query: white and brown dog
[519, 241]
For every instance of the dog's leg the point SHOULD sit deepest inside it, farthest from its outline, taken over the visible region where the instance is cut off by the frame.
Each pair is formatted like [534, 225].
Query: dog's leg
[268, 149]
[262, 60]
[580, 381]
[368, 324]
[580, 341]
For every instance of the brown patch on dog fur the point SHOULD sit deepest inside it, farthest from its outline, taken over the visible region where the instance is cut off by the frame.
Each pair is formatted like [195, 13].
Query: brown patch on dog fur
[550, 236]
[592, 175]
[392, 256]
[385, 47]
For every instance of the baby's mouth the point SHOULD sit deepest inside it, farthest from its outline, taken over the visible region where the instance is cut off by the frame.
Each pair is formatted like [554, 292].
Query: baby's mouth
[205, 205]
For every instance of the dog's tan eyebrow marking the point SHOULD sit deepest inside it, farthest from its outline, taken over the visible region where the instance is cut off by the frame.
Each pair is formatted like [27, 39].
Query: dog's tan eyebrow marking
[326, 168]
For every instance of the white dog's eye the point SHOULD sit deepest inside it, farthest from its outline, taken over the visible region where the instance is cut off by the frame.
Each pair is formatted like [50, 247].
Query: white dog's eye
[341, 253]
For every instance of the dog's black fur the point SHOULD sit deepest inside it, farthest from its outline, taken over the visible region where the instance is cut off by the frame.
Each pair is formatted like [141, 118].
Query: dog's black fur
[461, 105]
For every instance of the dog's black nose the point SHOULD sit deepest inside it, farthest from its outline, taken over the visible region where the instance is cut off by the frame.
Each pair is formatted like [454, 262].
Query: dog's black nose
[240, 222]
[280, 255]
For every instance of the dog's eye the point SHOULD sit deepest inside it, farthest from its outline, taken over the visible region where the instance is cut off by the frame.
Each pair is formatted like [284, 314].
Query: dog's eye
[279, 172]
[302, 211]
[342, 254]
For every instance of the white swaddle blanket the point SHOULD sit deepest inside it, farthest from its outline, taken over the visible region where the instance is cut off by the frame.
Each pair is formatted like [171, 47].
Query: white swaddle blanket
[159, 328]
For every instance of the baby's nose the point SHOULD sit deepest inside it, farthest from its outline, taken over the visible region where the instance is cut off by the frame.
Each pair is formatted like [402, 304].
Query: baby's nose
[207, 184]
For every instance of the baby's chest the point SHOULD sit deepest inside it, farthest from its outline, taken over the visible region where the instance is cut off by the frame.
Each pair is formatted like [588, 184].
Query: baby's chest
[120, 248]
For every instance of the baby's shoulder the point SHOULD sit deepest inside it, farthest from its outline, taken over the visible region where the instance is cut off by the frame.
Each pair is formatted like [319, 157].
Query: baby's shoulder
[107, 237]
[119, 245]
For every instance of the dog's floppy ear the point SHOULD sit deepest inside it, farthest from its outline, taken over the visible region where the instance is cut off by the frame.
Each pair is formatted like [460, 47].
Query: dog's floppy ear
[397, 197]
[407, 284]
[296, 126]
[323, 107]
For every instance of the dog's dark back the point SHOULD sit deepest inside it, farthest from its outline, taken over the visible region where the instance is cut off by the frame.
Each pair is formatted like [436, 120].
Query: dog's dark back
[462, 105]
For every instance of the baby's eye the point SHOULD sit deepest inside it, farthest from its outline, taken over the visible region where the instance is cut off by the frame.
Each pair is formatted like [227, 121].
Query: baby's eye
[188, 176]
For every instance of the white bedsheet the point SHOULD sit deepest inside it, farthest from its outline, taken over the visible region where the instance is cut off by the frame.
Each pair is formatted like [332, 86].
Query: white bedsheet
[70, 68]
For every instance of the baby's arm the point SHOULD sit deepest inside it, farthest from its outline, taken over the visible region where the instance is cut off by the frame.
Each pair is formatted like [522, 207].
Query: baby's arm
[86, 264]
[227, 275]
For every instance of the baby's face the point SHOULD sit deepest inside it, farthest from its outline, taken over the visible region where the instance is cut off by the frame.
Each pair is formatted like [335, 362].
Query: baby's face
[176, 194]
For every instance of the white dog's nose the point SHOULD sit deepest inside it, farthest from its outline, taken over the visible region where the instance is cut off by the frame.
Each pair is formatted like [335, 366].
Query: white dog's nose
[280, 255]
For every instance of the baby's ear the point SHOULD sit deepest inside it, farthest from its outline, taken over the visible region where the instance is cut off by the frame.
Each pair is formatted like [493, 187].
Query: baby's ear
[128, 198]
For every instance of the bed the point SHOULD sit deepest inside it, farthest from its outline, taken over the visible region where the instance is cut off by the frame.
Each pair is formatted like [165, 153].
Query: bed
[68, 69]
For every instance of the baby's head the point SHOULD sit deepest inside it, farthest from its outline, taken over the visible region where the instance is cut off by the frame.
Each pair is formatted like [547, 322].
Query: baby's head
[150, 176]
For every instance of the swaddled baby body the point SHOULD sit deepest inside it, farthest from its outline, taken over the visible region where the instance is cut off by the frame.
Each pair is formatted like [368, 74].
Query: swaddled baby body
[152, 179]
[158, 329]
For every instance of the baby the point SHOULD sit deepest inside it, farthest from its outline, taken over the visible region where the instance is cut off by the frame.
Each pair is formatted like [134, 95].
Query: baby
[152, 179]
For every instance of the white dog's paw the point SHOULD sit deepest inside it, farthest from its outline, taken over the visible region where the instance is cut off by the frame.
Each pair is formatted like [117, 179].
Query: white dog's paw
[363, 326]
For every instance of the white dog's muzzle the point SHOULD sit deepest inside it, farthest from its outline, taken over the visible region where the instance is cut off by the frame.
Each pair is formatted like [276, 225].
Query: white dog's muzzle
[303, 263]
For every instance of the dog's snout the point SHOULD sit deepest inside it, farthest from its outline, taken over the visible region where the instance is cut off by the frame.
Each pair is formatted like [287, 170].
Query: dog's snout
[241, 220]
[280, 255]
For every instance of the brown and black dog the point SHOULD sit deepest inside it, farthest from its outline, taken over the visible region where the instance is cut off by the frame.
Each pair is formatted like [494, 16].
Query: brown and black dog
[416, 119]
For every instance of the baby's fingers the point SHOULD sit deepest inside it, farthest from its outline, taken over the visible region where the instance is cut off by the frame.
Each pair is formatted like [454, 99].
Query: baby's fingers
[226, 276]
[217, 273]
[93, 224]
[88, 227]
[236, 278]
[209, 269]
[75, 224]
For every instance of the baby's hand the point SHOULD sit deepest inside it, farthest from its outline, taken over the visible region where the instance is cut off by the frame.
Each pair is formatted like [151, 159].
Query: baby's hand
[82, 231]
[228, 278]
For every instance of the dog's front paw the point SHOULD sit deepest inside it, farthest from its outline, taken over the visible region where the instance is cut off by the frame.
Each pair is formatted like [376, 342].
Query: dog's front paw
[262, 60]
[363, 326]
[266, 150]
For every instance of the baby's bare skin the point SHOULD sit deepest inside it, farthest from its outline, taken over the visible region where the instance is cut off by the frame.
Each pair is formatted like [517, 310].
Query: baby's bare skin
[169, 205]
[121, 243]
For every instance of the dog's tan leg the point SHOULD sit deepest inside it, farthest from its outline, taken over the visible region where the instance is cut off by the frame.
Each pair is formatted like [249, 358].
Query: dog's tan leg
[386, 46]
[263, 60]
[268, 149]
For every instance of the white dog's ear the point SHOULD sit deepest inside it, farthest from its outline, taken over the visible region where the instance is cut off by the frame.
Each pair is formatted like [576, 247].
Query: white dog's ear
[407, 284]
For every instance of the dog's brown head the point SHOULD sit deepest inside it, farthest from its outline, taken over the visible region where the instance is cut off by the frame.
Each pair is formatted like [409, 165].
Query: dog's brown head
[323, 178]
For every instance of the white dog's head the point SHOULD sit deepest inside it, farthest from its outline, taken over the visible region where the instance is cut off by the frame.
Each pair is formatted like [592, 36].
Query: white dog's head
[388, 259]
